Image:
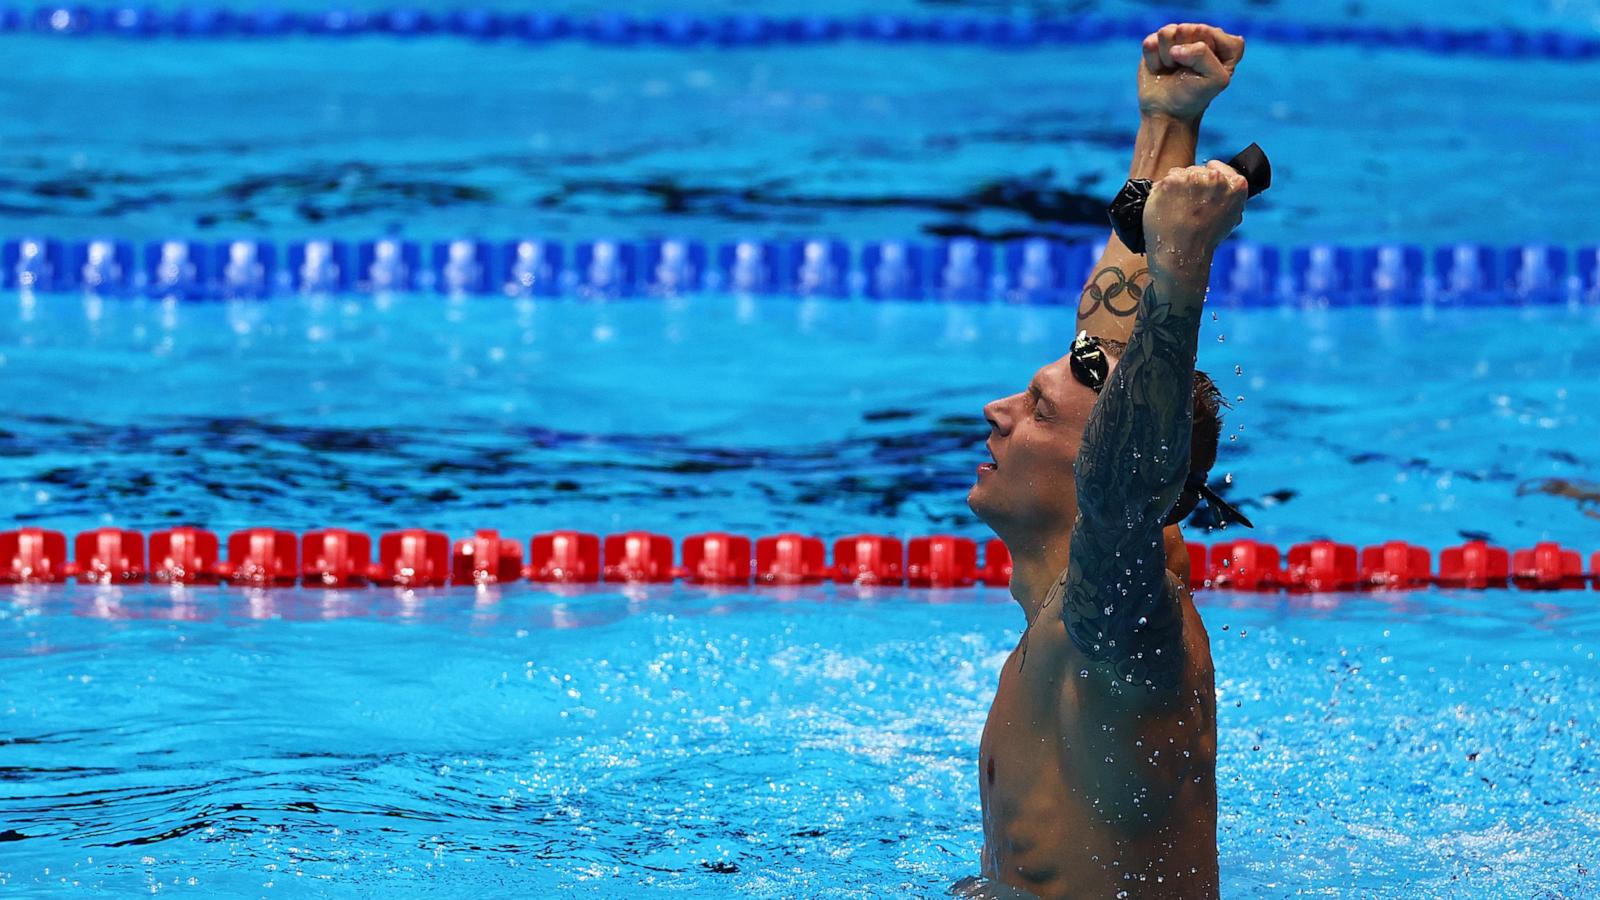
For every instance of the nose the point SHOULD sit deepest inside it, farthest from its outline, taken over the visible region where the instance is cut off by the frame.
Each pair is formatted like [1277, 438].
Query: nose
[994, 412]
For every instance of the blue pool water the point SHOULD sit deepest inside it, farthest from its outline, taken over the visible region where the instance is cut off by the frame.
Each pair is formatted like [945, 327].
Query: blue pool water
[812, 744]
[819, 743]
[442, 138]
[757, 414]
[221, 743]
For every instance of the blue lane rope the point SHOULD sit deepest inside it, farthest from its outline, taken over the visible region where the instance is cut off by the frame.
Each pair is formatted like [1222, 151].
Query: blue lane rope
[1033, 270]
[752, 30]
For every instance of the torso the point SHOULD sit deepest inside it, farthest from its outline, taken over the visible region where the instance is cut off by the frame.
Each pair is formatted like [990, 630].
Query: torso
[1080, 800]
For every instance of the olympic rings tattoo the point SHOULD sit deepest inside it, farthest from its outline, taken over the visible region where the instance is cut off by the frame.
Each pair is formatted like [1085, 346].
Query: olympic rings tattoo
[1117, 292]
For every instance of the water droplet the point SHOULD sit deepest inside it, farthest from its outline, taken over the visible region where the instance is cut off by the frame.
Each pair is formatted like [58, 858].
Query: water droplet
[1143, 621]
[1222, 339]
[1083, 673]
[1238, 370]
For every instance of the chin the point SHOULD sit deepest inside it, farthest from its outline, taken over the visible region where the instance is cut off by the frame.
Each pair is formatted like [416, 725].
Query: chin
[975, 502]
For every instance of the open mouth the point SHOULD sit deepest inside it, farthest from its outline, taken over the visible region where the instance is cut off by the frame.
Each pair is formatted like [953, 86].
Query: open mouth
[989, 466]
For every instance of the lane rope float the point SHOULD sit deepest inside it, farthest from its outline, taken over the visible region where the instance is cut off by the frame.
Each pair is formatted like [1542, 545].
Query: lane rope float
[691, 31]
[1033, 270]
[420, 558]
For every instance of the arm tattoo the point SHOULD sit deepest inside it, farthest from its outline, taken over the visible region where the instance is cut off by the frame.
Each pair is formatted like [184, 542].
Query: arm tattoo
[1114, 291]
[1118, 605]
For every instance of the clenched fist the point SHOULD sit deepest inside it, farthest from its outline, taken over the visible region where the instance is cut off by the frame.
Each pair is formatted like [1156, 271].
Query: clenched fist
[1184, 68]
[1189, 213]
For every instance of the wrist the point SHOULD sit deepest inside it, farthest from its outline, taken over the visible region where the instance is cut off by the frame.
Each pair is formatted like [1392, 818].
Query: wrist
[1185, 267]
[1164, 119]
[1164, 142]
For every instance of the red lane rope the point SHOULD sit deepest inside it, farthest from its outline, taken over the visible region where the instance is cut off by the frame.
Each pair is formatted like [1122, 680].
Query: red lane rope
[337, 558]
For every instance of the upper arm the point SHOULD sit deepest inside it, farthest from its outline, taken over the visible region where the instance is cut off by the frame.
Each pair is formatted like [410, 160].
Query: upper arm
[1122, 606]
[1110, 297]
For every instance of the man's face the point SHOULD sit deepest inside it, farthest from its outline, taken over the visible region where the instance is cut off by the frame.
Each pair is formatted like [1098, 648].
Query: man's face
[1034, 438]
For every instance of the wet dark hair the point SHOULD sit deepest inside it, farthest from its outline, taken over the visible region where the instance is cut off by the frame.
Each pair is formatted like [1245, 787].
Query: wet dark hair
[1204, 436]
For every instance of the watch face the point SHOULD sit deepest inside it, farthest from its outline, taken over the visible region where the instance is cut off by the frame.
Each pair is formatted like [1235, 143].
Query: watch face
[1127, 213]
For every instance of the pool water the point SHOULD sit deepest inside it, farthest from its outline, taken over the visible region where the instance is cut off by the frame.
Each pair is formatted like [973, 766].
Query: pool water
[757, 415]
[444, 138]
[817, 743]
[814, 743]
[806, 744]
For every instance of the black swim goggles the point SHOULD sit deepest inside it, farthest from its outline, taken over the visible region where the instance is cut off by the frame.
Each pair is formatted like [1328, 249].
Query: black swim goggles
[1087, 359]
[1088, 362]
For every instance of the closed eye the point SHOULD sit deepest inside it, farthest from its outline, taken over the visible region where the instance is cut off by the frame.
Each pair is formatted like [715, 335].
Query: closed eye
[1042, 408]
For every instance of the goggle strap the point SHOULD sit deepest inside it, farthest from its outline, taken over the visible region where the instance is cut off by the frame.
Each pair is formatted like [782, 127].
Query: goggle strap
[1228, 510]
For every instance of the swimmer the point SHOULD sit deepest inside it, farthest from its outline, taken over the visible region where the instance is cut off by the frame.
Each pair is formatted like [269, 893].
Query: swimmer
[1097, 766]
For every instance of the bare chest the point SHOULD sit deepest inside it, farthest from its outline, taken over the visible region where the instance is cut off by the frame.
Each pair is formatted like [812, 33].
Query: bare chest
[1027, 772]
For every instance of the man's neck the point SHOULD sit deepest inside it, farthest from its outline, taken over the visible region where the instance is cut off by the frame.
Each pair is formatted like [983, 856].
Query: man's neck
[1037, 561]
[1036, 564]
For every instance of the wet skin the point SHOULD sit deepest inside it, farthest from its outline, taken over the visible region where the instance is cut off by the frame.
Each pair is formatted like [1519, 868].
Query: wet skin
[1084, 798]
[1086, 793]
[1098, 760]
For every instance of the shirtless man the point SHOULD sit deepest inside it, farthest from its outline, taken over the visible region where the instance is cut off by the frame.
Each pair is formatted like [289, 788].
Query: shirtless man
[1098, 761]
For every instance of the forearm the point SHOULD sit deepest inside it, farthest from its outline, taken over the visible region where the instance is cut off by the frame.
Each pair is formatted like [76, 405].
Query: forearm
[1135, 451]
[1110, 298]
[1118, 605]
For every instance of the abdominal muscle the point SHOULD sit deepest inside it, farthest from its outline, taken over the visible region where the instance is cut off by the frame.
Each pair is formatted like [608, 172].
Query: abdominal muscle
[1077, 803]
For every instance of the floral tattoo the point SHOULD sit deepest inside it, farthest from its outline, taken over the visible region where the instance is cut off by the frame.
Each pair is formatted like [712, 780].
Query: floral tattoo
[1119, 605]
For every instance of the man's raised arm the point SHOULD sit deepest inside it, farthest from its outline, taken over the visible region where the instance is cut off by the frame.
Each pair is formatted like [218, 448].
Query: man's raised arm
[1182, 69]
[1119, 607]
